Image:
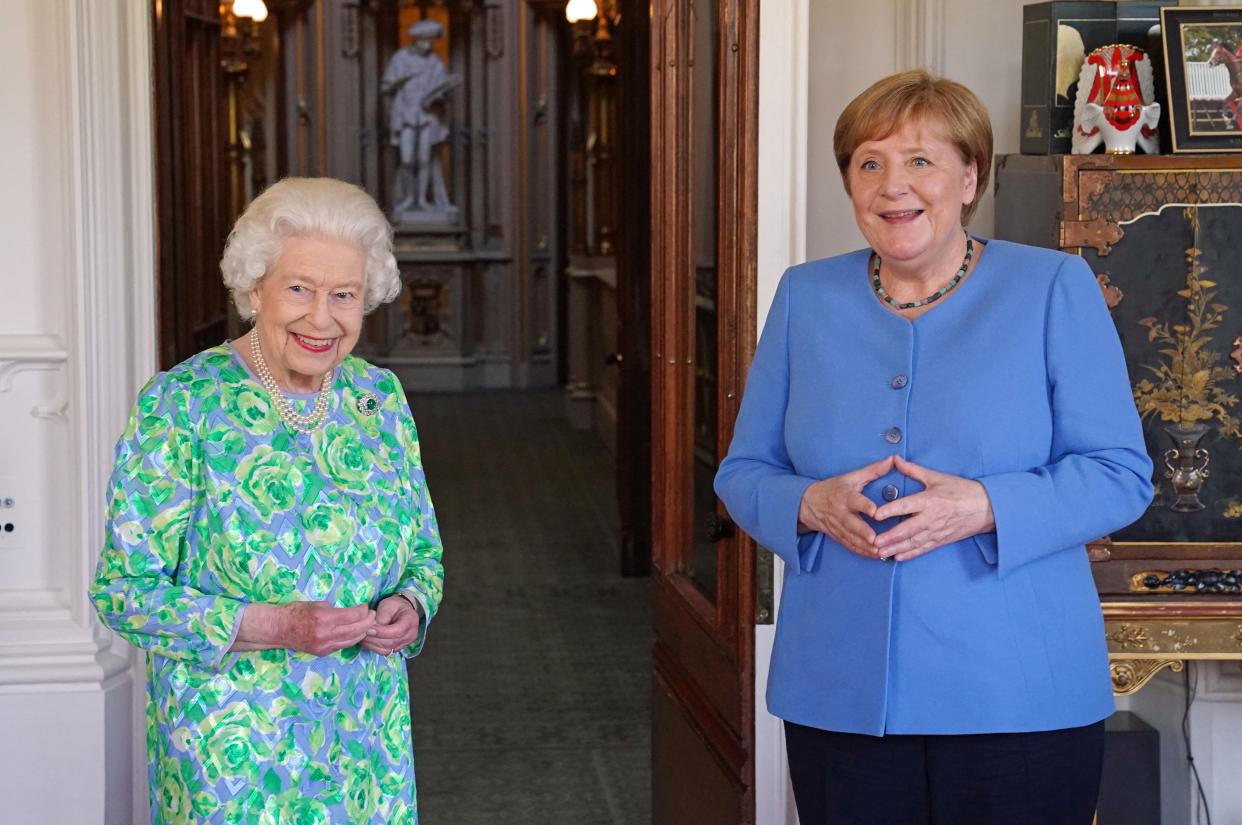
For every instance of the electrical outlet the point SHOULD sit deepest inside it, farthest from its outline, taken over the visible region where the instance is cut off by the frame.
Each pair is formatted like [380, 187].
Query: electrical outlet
[12, 520]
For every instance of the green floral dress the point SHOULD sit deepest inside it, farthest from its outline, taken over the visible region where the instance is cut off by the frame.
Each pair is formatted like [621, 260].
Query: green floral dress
[215, 504]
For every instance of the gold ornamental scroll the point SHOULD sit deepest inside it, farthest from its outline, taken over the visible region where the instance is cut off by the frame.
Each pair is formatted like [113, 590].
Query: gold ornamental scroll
[1145, 637]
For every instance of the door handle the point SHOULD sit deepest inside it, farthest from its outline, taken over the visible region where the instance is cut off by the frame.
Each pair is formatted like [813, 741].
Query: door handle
[613, 358]
[719, 527]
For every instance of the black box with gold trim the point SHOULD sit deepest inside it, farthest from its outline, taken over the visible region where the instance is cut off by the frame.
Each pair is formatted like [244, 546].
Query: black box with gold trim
[1056, 38]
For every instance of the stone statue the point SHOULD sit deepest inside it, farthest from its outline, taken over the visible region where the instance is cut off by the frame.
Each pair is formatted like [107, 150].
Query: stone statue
[417, 80]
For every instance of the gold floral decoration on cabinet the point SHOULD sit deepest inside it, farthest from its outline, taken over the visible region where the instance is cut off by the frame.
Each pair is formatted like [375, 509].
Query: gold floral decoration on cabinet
[1188, 389]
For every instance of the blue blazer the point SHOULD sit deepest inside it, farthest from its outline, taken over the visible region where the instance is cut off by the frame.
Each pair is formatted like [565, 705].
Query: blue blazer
[1017, 379]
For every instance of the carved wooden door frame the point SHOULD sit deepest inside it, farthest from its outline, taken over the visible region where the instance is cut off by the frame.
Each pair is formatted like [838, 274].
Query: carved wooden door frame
[703, 719]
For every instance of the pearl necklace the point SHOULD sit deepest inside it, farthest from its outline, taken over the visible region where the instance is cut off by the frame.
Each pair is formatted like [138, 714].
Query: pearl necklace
[284, 407]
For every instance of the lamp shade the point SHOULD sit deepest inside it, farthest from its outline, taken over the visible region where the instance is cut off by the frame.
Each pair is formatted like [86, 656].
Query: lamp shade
[256, 10]
[578, 10]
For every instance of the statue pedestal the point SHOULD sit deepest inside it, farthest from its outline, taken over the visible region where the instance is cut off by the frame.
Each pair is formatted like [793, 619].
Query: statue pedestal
[449, 329]
[446, 216]
[410, 242]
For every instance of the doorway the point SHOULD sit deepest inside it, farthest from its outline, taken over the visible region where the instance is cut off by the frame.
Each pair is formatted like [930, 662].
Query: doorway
[535, 681]
[668, 93]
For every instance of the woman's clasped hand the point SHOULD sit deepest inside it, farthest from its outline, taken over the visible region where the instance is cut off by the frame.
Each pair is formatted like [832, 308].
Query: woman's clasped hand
[321, 629]
[948, 509]
[396, 626]
[836, 505]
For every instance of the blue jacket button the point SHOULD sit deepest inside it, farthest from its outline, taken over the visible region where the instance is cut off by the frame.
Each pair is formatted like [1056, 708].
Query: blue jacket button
[893, 435]
[899, 382]
[890, 492]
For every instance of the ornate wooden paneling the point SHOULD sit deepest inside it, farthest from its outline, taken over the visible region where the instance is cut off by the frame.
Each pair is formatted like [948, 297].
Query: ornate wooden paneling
[633, 268]
[192, 179]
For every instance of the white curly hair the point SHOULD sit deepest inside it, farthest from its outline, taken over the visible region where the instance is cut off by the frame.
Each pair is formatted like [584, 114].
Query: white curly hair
[302, 206]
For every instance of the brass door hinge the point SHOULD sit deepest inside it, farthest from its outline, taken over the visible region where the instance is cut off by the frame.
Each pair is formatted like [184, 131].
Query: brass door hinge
[1100, 234]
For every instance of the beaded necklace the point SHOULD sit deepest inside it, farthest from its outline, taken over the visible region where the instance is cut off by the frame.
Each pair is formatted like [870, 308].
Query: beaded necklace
[284, 407]
[935, 296]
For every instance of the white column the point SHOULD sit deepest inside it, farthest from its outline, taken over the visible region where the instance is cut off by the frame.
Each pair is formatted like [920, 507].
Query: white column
[918, 41]
[79, 241]
[783, 76]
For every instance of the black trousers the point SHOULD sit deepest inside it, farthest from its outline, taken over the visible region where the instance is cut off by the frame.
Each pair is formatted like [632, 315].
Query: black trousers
[1044, 778]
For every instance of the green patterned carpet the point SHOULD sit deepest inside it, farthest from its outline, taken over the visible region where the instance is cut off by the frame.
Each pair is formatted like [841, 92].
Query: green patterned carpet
[531, 701]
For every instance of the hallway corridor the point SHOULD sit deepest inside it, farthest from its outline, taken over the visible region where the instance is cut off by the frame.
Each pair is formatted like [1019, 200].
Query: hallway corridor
[531, 701]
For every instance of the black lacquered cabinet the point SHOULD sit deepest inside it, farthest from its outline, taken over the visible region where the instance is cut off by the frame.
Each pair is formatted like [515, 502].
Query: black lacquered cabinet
[1164, 236]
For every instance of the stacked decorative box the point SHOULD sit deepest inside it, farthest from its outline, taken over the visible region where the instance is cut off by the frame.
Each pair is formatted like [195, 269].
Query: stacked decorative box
[1056, 37]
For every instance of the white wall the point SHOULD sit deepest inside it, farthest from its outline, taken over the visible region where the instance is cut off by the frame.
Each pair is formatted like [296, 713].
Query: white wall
[76, 335]
[816, 55]
[1215, 719]
[851, 46]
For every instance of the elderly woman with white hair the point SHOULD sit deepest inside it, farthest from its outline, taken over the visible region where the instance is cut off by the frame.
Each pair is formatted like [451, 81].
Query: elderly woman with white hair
[270, 540]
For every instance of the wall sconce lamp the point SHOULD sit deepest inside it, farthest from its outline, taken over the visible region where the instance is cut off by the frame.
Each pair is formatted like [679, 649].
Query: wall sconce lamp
[256, 10]
[240, 42]
[592, 22]
[580, 11]
[239, 34]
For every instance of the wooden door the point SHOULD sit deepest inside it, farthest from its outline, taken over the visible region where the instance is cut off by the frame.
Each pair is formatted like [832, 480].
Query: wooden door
[704, 79]
[633, 259]
[192, 177]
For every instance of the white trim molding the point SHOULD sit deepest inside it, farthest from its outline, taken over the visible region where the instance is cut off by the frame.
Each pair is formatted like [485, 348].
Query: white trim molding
[28, 353]
[112, 319]
[1221, 681]
[34, 353]
[45, 648]
[784, 79]
[918, 41]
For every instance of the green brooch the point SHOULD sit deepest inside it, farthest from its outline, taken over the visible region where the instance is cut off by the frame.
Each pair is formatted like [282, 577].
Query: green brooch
[368, 404]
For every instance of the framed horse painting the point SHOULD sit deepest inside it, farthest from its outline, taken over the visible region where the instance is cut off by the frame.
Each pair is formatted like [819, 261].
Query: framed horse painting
[1203, 74]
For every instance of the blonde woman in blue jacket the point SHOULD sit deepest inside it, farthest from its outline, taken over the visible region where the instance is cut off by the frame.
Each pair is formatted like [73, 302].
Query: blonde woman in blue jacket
[932, 429]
